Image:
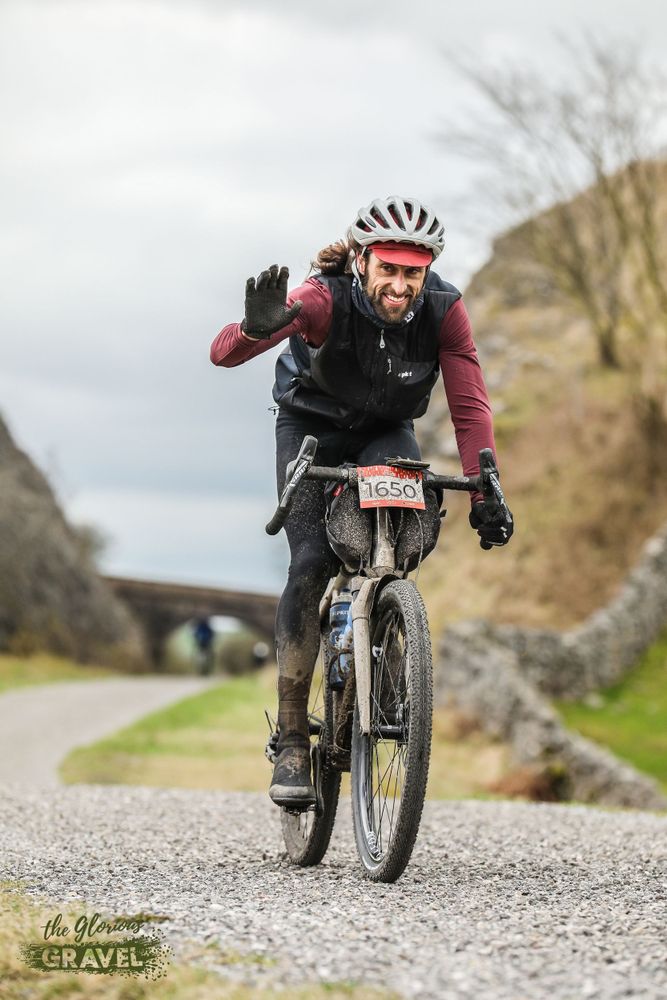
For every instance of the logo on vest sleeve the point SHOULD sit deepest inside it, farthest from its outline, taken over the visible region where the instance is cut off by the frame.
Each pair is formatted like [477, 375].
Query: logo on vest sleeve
[404, 374]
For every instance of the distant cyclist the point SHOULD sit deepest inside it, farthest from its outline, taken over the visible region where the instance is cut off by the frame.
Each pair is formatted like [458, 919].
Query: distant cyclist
[204, 634]
[368, 335]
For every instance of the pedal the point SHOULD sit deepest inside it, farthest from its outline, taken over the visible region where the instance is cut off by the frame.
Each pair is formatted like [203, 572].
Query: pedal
[271, 748]
[299, 810]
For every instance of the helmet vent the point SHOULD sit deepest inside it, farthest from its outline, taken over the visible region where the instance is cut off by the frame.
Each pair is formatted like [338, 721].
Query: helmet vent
[396, 219]
[401, 219]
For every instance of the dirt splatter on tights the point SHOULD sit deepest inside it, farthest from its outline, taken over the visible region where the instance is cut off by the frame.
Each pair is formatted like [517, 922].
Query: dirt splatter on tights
[312, 560]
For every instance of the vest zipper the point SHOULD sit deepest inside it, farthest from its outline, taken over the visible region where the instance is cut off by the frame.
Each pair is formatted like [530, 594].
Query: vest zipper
[374, 372]
[382, 346]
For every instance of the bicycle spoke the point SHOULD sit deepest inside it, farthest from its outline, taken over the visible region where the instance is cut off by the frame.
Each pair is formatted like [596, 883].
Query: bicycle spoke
[393, 805]
[382, 813]
[384, 774]
[371, 802]
[383, 789]
[387, 801]
[384, 768]
[378, 804]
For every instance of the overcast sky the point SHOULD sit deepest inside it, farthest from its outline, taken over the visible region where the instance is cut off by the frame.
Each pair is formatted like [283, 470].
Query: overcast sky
[157, 152]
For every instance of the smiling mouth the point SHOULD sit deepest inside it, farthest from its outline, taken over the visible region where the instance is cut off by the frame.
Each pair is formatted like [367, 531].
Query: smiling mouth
[394, 300]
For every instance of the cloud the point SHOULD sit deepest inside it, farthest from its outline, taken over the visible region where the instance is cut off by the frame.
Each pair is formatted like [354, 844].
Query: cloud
[155, 154]
[222, 551]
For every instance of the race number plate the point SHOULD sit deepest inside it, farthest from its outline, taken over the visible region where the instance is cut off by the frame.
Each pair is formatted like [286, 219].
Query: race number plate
[386, 486]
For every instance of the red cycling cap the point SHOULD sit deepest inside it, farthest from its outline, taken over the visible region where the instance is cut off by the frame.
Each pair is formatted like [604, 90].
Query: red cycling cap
[406, 254]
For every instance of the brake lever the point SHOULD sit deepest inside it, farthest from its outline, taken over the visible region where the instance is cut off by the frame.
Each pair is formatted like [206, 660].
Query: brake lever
[499, 495]
[489, 480]
[303, 462]
[491, 488]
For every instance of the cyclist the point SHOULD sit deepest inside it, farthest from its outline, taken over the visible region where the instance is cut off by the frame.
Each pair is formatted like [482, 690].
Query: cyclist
[203, 634]
[366, 336]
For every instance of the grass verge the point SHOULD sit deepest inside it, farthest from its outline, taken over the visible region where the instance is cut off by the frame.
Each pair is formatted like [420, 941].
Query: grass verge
[45, 668]
[22, 923]
[216, 740]
[631, 717]
[212, 740]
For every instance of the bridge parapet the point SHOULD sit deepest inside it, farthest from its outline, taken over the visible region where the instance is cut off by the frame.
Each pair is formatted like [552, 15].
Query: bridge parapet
[161, 607]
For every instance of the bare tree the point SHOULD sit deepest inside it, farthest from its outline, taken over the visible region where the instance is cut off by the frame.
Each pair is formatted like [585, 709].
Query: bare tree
[579, 159]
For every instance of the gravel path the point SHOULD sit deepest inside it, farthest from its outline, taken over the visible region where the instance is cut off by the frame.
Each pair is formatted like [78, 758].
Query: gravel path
[39, 725]
[502, 901]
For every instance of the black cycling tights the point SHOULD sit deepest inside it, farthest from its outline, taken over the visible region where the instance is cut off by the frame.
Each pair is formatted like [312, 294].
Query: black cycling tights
[312, 561]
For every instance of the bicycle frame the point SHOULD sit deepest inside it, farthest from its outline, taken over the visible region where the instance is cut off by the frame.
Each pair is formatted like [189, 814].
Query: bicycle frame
[364, 588]
[376, 701]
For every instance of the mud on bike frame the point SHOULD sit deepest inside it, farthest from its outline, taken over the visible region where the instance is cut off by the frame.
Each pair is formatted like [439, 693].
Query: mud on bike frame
[371, 713]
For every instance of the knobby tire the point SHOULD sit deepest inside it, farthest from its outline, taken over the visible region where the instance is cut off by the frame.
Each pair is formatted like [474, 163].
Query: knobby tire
[389, 776]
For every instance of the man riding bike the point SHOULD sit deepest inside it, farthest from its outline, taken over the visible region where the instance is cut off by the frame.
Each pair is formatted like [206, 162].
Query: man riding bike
[368, 334]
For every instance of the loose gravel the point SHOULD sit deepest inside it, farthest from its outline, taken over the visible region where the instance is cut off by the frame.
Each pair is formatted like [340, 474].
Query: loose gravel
[502, 900]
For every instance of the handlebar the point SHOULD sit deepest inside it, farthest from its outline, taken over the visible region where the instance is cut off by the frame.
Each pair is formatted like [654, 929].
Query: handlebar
[486, 482]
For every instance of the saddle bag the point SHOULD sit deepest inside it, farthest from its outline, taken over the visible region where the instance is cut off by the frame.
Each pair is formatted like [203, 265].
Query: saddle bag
[350, 529]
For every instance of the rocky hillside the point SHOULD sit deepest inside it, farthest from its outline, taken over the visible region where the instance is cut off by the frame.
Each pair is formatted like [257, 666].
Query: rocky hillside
[50, 593]
[585, 484]
[555, 614]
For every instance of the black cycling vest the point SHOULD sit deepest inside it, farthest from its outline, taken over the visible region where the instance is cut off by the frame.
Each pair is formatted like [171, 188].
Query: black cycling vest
[363, 374]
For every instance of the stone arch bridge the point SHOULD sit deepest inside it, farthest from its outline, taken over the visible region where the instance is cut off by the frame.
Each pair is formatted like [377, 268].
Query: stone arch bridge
[162, 607]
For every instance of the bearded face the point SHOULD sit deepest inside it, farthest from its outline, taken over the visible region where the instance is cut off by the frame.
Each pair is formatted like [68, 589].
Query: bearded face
[390, 288]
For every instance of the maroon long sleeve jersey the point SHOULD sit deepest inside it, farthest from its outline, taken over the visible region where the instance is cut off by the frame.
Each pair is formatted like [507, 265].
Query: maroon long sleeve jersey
[462, 376]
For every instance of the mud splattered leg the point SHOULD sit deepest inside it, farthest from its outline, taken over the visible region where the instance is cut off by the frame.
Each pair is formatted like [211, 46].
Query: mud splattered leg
[297, 620]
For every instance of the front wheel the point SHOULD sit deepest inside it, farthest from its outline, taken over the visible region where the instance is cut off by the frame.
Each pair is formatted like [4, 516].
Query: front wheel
[390, 765]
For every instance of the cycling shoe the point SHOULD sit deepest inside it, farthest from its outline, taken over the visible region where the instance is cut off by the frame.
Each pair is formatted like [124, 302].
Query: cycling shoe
[291, 786]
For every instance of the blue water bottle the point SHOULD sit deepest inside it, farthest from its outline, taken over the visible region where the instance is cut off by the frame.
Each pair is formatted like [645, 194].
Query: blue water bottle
[340, 639]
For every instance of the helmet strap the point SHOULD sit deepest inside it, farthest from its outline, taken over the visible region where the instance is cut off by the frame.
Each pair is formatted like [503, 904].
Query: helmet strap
[353, 266]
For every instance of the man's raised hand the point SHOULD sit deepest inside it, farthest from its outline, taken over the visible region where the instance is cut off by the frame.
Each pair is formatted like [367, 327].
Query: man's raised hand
[265, 304]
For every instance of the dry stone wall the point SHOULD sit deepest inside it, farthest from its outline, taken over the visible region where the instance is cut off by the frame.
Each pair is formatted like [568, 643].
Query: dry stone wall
[485, 681]
[607, 644]
[500, 675]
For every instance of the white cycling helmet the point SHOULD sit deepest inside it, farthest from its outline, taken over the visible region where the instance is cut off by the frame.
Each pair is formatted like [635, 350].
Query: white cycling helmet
[399, 220]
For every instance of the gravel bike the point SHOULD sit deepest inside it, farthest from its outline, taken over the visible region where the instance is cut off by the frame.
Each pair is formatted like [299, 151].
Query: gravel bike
[371, 698]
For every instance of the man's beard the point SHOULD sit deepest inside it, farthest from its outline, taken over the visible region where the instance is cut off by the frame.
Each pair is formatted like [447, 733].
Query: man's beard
[386, 315]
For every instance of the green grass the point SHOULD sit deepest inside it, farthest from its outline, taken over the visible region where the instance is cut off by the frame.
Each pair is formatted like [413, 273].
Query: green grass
[211, 740]
[44, 668]
[216, 740]
[631, 717]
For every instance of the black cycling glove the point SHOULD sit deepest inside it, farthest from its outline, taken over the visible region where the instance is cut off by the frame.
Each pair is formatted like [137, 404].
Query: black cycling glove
[265, 304]
[493, 524]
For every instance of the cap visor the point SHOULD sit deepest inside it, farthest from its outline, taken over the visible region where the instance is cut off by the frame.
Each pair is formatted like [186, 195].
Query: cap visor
[402, 253]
